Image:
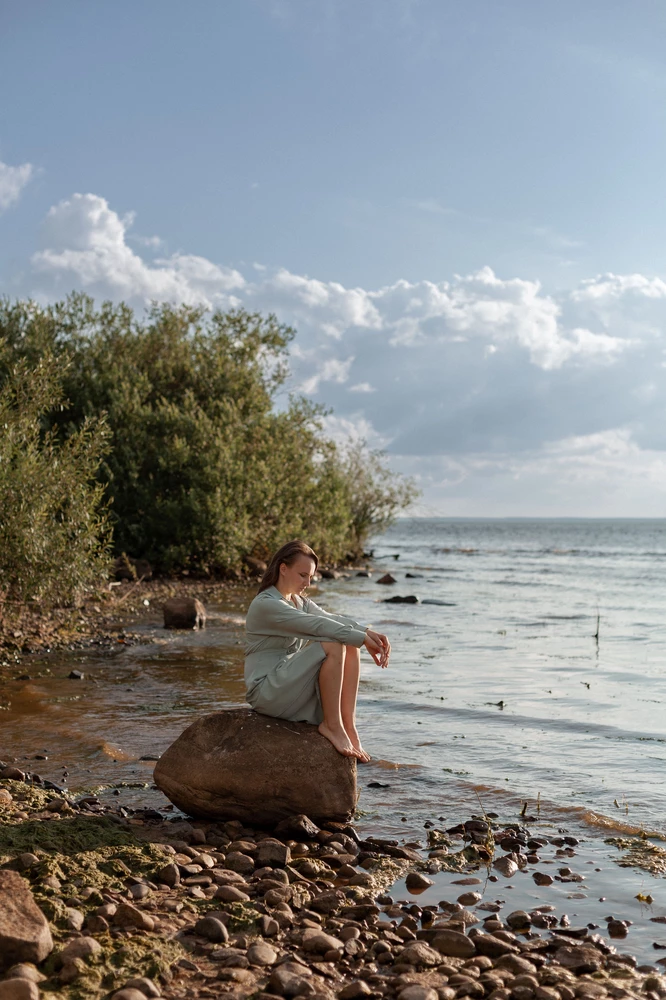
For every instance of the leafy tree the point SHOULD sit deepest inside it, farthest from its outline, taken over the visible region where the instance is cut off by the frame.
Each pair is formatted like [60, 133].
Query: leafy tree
[53, 525]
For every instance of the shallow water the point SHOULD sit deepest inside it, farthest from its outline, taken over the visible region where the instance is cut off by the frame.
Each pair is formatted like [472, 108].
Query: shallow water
[504, 702]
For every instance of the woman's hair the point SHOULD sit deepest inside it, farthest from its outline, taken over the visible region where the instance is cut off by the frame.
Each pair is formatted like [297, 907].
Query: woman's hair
[288, 554]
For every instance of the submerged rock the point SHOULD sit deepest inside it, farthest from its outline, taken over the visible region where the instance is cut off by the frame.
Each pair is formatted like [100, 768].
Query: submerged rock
[241, 765]
[24, 930]
[184, 612]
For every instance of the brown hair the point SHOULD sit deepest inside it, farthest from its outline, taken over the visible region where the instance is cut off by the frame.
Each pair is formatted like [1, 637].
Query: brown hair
[288, 553]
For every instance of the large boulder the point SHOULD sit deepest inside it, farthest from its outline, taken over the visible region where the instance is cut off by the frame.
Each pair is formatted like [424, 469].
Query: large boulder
[24, 930]
[184, 612]
[241, 765]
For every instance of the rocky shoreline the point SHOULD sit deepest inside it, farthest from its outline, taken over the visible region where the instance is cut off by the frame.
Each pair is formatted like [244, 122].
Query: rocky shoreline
[133, 905]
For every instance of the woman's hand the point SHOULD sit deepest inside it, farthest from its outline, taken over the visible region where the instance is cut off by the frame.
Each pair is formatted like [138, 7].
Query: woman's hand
[378, 646]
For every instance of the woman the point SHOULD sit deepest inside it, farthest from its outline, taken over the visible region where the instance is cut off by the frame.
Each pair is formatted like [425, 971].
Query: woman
[302, 663]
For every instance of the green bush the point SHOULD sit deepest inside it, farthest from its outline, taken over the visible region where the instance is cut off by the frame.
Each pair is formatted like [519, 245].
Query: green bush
[53, 529]
[209, 460]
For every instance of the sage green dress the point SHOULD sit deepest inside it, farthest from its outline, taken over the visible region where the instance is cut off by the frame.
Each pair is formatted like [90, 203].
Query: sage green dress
[283, 654]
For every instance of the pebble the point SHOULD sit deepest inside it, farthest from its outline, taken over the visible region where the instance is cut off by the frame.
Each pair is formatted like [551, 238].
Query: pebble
[230, 894]
[261, 953]
[212, 929]
[415, 882]
[18, 989]
[144, 985]
[470, 898]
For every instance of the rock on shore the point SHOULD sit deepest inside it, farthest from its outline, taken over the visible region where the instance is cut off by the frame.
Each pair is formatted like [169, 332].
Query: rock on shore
[241, 765]
[24, 930]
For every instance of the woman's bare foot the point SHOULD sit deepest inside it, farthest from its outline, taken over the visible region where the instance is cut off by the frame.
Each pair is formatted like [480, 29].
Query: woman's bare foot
[355, 741]
[340, 740]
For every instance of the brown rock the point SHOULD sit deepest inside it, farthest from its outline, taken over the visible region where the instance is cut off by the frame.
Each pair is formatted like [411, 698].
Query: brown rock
[299, 827]
[416, 991]
[505, 866]
[24, 930]
[129, 993]
[493, 947]
[241, 765]
[579, 959]
[80, 947]
[26, 970]
[212, 929]
[355, 990]
[316, 940]
[273, 854]
[230, 894]
[19, 989]
[144, 985]
[169, 875]
[541, 878]
[453, 944]
[419, 953]
[129, 916]
[387, 578]
[261, 953]
[415, 882]
[184, 612]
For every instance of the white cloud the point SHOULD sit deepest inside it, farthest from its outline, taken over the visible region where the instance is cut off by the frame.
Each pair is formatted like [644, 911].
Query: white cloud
[12, 182]
[362, 387]
[86, 246]
[332, 370]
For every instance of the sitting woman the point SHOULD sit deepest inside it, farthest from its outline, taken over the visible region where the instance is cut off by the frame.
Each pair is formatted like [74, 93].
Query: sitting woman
[302, 663]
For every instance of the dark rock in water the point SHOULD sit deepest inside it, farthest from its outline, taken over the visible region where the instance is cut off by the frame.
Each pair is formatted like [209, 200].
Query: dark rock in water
[579, 959]
[260, 770]
[24, 930]
[257, 567]
[378, 784]
[541, 878]
[413, 576]
[126, 568]
[75, 675]
[150, 756]
[416, 882]
[387, 578]
[13, 773]
[329, 574]
[411, 599]
[364, 572]
[440, 604]
[299, 827]
[184, 612]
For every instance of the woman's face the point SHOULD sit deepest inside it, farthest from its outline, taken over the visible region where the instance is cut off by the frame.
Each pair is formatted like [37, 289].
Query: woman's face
[296, 578]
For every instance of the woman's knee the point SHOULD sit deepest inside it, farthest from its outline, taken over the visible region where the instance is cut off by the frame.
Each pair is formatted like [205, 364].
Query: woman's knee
[334, 650]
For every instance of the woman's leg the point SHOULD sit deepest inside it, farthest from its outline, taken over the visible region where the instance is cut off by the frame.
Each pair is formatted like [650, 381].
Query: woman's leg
[331, 676]
[350, 680]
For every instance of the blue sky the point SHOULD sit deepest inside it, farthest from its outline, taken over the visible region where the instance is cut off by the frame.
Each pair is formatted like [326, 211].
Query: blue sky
[459, 205]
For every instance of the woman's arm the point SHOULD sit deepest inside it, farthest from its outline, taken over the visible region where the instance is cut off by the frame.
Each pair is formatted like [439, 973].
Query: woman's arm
[311, 608]
[273, 617]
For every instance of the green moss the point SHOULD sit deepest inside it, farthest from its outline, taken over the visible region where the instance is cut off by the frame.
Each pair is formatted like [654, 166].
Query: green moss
[242, 916]
[640, 853]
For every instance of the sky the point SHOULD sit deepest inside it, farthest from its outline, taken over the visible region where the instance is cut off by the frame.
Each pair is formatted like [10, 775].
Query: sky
[460, 207]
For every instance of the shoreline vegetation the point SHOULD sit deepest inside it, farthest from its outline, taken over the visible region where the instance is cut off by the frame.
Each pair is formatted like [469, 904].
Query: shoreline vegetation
[173, 440]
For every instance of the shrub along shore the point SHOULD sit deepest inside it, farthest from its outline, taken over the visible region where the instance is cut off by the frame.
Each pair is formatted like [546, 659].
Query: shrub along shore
[169, 437]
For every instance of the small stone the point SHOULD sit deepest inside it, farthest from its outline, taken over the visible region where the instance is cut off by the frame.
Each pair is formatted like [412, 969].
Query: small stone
[128, 993]
[96, 924]
[579, 959]
[261, 953]
[236, 861]
[6, 797]
[129, 916]
[26, 970]
[420, 953]
[519, 920]
[184, 612]
[505, 866]
[24, 930]
[355, 990]
[80, 947]
[144, 985]
[268, 926]
[139, 891]
[169, 875]
[415, 882]
[470, 898]
[13, 773]
[26, 861]
[299, 827]
[317, 940]
[273, 854]
[417, 992]
[19, 989]
[212, 929]
[387, 578]
[541, 878]
[230, 894]
[75, 919]
[493, 947]
[75, 675]
[454, 944]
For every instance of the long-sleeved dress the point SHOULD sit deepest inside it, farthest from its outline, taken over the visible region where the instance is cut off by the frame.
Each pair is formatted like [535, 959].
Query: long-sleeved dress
[283, 654]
